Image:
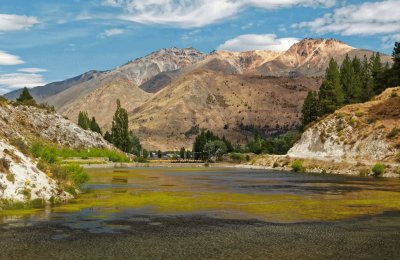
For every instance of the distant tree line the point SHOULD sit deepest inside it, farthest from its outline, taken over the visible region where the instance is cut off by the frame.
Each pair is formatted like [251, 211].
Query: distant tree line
[354, 81]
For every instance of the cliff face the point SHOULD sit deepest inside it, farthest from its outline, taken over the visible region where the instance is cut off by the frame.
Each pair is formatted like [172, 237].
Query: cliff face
[368, 131]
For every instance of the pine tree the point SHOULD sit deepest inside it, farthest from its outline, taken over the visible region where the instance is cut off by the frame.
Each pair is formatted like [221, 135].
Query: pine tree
[26, 97]
[356, 90]
[395, 71]
[367, 82]
[310, 109]
[108, 137]
[94, 126]
[377, 73]
[83, 120]
[331, 94]
[119, 129]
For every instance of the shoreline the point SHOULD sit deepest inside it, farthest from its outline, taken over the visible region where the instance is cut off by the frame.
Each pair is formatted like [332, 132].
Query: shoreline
[270, 162]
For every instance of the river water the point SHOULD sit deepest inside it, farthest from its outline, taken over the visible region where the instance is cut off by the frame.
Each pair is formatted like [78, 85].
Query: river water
[189, 213]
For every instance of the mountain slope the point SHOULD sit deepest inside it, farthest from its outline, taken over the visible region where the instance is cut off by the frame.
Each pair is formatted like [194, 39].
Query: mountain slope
[368, 131]
[43, 92]
[229, 105]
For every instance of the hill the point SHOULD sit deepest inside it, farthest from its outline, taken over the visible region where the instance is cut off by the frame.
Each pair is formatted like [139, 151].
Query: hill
[362, 132]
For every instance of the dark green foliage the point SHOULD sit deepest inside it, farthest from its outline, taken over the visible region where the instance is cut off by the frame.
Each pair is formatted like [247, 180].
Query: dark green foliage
[159, 154]
[331, 93]
[394, 78]
[367, 82]
[257, 145]
[26, 97]
[377, 72]
[310, 109]
[215, 148]
[378, 169]
[94, 126]
[119, 129]
[182, 153]
[134, 146]
[202, 139]
[108, 137]
[237, 157]
[83, 120]
[281, 144]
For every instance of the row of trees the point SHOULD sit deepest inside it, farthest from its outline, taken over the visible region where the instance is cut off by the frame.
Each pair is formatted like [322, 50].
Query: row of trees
[88, 124]
[120, 135]
[353, 82]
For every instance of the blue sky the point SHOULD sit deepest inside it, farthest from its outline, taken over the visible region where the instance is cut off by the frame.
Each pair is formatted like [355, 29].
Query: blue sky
[42, 41]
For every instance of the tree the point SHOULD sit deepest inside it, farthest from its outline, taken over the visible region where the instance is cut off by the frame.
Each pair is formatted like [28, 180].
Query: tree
[367, 82]
[83, 120]
[377, 72]
[108, 137]
[257, 145]
[309, 113]
[215, 148]
[159, 154]
[182, 152]
[133, 144]
[202, 139]
[119, 129]
[26, 97]
[395, 71]
[94, 126]
[331, 94]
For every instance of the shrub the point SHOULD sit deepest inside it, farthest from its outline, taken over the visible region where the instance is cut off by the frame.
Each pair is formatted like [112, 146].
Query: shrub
[297, 166]
[5, 165]
[378, 169]
[395, 131]
[394, 94]
[10, 177]
[21, 145]
[237, 157]
[398, 157]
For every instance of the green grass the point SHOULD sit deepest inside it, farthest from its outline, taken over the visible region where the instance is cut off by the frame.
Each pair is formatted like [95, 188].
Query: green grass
[51, 153]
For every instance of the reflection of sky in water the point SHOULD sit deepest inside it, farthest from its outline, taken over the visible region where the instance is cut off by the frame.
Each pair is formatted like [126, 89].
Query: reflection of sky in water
[136, 194]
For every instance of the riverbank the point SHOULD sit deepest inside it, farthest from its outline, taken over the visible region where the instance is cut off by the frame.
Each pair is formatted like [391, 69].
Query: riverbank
[323, 166]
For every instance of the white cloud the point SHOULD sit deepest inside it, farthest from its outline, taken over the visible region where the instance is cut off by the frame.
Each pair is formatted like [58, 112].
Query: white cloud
[112, 32]
[9, 59]
[32, 70]
[12, 22]
[12, 81]
[369, 18]
[196, 13]
[250, 42]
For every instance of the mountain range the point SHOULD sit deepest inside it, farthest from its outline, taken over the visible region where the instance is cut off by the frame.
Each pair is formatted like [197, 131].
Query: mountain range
[173, 93]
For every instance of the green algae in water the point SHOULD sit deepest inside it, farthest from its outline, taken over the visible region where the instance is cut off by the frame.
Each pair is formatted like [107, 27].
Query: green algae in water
[196, 191]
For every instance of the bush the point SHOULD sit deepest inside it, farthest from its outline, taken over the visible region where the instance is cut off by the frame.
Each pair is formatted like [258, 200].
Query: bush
[378, 169]
[76, 174]
[297, 166]
[237, 157]
[398, 157]
[395, 131]
[5, 165]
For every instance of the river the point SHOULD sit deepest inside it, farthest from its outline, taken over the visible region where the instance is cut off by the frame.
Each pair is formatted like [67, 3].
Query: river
[214, 213]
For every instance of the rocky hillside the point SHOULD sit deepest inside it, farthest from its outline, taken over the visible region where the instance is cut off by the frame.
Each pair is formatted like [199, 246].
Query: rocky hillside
[360, 132]
[20, 179]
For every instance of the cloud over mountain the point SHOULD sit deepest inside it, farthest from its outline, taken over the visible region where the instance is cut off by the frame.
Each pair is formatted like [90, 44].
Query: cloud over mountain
[250, 42]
